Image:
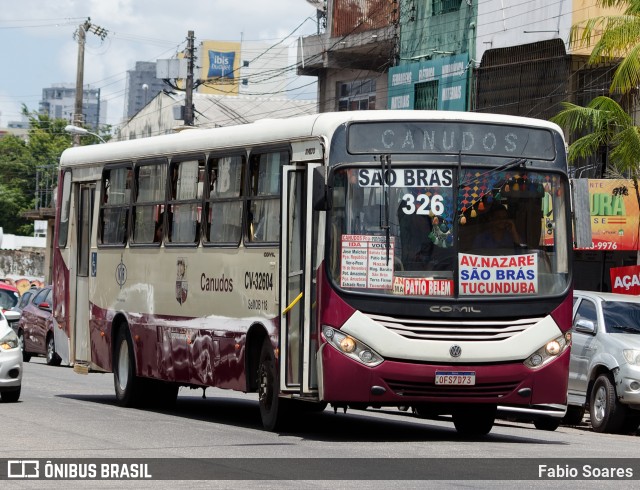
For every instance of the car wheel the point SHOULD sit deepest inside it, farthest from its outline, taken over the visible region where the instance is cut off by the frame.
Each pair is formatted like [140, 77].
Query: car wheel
[547, 423]
[574, 415]
[128, 387]
[607, 414]
[53, 359]
[25, 357]
[11, 396]
[272, 407]
[474, 420]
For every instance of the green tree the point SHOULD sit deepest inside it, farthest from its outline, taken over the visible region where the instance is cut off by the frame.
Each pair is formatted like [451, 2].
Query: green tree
[618, 38]
[22, 163]
[604, 123]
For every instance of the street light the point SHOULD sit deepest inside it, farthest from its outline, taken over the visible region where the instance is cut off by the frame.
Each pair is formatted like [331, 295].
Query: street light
[77, 130]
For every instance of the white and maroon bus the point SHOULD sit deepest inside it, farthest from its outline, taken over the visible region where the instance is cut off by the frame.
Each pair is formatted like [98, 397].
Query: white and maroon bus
[340, 258]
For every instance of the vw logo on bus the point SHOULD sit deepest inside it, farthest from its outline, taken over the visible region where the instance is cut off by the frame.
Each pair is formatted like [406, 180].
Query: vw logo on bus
[455, 350]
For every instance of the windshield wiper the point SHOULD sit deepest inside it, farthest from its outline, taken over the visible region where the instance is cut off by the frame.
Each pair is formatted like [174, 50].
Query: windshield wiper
[385, 167]
[624, 328]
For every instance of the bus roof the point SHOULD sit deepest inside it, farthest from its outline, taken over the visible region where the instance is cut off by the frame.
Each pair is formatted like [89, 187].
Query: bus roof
[267, 131]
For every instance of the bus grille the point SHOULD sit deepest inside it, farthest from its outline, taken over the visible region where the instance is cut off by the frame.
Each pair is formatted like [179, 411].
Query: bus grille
[454, 330]
[491, 390]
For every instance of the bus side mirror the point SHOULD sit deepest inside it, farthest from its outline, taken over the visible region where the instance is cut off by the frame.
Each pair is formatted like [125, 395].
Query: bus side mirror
[581, 213]
[320, 192]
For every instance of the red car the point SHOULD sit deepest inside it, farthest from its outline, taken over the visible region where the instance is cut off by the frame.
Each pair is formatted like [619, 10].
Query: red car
[35, 328]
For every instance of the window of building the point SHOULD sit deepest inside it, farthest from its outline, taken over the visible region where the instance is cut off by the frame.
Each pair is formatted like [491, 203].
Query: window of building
[357, 95]
[148, 209]
[185, 198]
[445, 6]
[263, 202]
[223, 208]
[426, 95]
[114, 208]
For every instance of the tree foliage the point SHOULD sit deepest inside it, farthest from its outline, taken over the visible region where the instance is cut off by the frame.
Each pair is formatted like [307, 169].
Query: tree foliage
[618, 38]
[21, 161]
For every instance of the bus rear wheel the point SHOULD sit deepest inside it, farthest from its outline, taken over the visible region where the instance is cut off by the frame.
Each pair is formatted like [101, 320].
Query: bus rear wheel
[127, 385]
[474, 420]
[272, 407]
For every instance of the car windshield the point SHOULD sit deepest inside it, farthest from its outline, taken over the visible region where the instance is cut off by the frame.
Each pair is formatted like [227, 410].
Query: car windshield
[435, 231]
[621, 317]
[8, 299]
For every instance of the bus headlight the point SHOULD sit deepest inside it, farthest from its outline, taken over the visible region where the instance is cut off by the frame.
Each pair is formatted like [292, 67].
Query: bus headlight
[351, 347]
[549, 352]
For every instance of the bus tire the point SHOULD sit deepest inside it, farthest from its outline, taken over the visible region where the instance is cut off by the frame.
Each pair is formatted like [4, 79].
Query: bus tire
[128, 387]
[607, 413]
[574, 415]
[547, 423]
[474, 420]
[272, 407]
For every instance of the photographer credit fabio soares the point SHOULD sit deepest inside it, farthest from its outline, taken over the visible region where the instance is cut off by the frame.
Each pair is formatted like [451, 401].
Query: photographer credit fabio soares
[501, 231]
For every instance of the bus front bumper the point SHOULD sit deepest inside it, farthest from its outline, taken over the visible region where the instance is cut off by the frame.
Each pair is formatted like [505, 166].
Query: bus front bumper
[400, 383]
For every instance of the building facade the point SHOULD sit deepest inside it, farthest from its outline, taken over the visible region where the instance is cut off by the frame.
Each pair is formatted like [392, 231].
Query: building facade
[58, 101]
[142, 86]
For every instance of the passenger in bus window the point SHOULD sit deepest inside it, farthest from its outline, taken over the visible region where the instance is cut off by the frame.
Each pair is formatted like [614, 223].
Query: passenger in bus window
[500, 232]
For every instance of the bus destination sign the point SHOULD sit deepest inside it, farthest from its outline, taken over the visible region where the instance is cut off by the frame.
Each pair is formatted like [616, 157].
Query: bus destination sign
[451, 138]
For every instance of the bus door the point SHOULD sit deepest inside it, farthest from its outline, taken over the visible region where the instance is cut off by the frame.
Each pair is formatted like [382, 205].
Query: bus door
[84, 267]
[297, 351]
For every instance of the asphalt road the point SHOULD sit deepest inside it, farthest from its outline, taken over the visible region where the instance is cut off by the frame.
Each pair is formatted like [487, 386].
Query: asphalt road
[65, 415]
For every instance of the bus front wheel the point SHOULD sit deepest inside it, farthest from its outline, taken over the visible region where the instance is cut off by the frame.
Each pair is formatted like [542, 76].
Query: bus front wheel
[272, 407]
[476, 420]
[127, 385]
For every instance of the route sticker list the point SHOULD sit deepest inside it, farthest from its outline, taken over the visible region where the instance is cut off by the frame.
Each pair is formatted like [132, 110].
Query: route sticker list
[364, 262]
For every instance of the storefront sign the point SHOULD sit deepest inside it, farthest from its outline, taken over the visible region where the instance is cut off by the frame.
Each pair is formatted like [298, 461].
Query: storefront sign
[625, 280]
[614, 214]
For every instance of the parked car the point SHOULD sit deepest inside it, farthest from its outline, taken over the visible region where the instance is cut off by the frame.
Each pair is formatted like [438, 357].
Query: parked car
[10, 363]
[13, 315]
[35, 328]
[604, 371]
[9, 296]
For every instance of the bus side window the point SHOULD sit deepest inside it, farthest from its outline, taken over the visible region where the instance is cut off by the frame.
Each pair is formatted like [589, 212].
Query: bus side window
[149, 201]
[263, 204]
[114, 209]
[185, 195]
[223, 208]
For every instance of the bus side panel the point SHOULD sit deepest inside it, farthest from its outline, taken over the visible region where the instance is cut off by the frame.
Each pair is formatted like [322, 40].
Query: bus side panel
[100, 335]
[173, 349]
[61, 298]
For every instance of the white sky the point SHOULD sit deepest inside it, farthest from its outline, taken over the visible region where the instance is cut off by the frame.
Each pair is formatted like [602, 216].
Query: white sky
[39, 49]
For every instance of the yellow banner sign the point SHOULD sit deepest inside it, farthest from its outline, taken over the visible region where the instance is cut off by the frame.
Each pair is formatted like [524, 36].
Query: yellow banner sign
[614, 214]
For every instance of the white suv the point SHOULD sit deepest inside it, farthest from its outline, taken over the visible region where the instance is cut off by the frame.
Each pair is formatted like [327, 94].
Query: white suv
[604, 371]
[10, 363]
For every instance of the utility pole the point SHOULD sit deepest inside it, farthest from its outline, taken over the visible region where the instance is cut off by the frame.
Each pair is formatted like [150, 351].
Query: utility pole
[78, 117]
[188, 96]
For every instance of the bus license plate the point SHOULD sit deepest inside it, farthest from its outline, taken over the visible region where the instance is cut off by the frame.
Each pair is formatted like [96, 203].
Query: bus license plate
[455, 378]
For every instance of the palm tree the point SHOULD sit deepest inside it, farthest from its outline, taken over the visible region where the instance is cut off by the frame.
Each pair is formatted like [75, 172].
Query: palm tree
[619, 39]
[603, 121]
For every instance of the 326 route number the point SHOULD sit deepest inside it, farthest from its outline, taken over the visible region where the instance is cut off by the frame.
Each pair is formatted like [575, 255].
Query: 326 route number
[423, 204]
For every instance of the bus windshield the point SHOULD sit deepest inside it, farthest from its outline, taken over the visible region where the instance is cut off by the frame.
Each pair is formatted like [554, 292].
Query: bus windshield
[440, 231]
